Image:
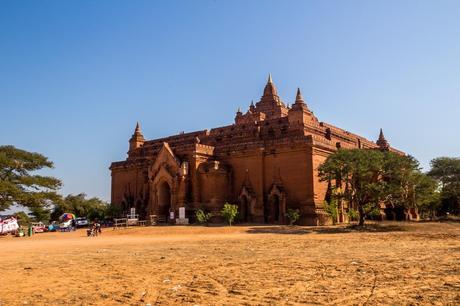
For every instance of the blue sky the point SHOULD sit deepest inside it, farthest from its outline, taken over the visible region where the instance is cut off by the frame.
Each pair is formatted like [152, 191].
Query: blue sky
[75, 76]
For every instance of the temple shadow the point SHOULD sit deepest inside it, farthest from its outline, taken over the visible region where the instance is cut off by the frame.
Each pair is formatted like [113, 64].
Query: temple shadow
[339, 229]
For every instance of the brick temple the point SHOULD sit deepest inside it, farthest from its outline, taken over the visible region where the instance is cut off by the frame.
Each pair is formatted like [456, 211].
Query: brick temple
[265, 162]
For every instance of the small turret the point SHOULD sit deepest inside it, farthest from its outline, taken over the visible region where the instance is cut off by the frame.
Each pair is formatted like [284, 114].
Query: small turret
[252, 108]
[382, 142]
[299, 114]
[137, 140]
[299, 102]
[239, 112]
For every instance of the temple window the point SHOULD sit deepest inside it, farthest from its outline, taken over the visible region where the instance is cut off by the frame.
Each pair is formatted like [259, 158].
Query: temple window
[328, 134]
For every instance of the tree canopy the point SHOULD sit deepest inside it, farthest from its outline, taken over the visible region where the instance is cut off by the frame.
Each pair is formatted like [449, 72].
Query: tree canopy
[446, 170]
[20, 185]
[92, 208]
[368, 178]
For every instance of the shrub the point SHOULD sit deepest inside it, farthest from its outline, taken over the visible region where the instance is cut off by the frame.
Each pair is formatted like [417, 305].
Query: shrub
[293, 215]
[331, 209]
[202, 217]
[353, 214]
[229, 212]
[372, 211]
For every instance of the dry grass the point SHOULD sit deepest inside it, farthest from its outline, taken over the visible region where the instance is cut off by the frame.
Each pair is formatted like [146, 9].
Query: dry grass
[393, 263]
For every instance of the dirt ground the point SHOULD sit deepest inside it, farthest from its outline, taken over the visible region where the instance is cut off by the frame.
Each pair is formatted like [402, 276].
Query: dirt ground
[390, 263]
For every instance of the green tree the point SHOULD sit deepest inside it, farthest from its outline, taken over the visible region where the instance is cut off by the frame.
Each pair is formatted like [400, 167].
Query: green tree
[92, 208]
[229, 212]
[399, 174]
[331, 208]
[40, 213]
[446, 170]
[369, 178]
[426, 196]
[20, 185]
[23, 218]
[360, 171]
[112, 211]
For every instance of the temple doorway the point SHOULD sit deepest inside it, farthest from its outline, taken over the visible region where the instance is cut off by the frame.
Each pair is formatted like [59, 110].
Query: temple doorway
[164, 199]
[275, 208]
[272, 210]
[243, 209]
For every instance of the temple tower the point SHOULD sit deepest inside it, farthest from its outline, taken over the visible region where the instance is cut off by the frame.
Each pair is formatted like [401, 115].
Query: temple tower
[299, 113]
[270, 103]
[382, 142]
[137, 140]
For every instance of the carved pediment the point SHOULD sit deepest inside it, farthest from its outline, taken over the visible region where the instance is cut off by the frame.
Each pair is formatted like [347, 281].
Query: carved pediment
[165, 160]
[277, 186]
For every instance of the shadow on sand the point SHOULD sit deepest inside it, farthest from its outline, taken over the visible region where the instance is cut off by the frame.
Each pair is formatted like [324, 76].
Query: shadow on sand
[339, 229]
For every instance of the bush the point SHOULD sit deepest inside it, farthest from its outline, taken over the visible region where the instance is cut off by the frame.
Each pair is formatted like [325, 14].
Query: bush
[202, 217]
[372, 211]
[331, 208]
[229, 212]
[293, 215]
[353, 214]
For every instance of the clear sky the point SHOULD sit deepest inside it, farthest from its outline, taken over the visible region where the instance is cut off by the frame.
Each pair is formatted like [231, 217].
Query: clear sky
[75, 76]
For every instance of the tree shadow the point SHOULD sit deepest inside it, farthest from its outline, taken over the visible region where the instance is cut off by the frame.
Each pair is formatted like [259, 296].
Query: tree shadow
[338, 229]
[282, 229]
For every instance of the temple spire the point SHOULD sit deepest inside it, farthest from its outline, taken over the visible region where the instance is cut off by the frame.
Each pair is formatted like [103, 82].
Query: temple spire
[137, 140]
[137, 130]
[299, 98]
[299, 103]
[252, 107]
[270, 91]
[382, 142]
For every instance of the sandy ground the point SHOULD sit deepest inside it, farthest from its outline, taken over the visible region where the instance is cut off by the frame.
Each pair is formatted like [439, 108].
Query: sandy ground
[393, 263]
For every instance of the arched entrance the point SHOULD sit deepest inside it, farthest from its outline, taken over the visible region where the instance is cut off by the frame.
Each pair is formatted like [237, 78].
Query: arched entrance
[243, 209]
[275, 208]
[272, 210]
[164, 199]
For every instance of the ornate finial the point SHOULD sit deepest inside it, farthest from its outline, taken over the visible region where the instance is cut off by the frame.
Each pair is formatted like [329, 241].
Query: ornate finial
[252, 108]
[137, 130]
[270, 78]
[238, 110]
[299, 98]
[382, 142]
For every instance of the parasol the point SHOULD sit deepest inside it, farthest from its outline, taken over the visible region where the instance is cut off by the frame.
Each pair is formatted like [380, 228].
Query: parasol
[67, 216]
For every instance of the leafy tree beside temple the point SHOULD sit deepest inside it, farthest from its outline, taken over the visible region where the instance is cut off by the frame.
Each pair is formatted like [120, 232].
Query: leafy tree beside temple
[368, 179]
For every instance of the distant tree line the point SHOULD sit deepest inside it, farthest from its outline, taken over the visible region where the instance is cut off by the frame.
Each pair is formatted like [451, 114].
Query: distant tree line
[21, 185]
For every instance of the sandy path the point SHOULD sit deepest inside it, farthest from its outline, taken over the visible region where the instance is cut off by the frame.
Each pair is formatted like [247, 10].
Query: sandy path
[417, 264]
